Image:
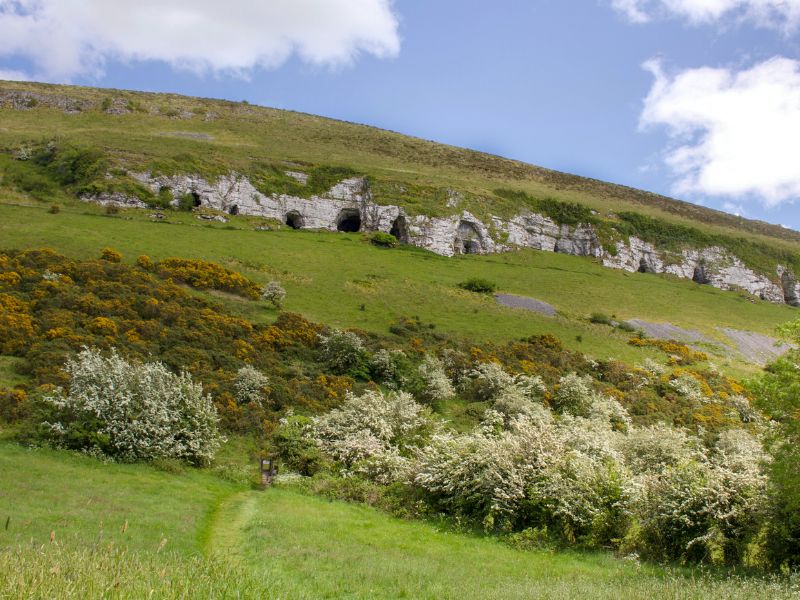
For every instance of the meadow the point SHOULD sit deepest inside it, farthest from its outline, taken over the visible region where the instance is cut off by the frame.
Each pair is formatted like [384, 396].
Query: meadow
[342, 280]
[132, 531]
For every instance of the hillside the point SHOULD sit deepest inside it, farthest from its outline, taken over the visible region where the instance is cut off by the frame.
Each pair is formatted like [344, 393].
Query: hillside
[530, 382]
[312, 173]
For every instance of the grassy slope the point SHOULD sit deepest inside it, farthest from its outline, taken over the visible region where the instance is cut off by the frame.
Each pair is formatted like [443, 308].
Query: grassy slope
[240, 136]
[276, 544]
[329, 276]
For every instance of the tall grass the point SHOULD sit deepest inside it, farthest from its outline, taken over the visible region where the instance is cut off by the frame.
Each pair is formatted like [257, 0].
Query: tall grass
[110, 572]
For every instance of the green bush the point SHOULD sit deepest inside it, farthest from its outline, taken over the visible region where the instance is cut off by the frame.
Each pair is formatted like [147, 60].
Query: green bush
[563, 213]
[385, 240]
[600, 318]
[478, 285]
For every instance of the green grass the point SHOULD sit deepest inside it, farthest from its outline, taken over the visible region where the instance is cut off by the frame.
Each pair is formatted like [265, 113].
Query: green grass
[307, 547]
[224, 542]
[212, 137]
[329, 277]
[86, 502]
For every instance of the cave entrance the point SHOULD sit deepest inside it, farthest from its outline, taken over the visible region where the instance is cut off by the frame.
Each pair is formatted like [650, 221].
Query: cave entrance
[700, 275]
[195, 199]
[400, 229]
[294, 219]
[234, 210]
[644, 266]
[468, 239]
[349, 220]
[789, 286]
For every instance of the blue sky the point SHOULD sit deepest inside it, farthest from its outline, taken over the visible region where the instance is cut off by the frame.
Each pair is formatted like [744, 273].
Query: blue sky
[698, 99]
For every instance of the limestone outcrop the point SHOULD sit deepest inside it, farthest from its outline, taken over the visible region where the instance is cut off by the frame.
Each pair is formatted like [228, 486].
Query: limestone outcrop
[349, 206]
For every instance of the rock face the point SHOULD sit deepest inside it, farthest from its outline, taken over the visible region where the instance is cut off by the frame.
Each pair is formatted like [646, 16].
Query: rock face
[349, 206]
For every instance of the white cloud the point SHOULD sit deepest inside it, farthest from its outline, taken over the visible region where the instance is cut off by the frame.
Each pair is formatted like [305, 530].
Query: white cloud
[733, 133]
[68, 38]
[12, 75]
[779, 14]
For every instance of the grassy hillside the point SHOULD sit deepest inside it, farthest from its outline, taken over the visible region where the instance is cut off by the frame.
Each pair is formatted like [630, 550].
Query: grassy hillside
[223, 541]
[340, 279]
[168, 134]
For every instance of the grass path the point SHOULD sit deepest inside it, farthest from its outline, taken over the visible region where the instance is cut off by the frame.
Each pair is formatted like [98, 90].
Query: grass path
[297, 546]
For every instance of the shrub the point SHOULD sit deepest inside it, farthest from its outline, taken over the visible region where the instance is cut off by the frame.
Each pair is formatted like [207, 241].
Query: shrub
[203, 274]
[54, 209]
[600, 318]
[385, 240]
[274, 293]
[145, 262]
[369, 434]
[250, 386]
[186, 202]
[436, 386]
[388, 367]
[344, 353]
[110, 255]
[131, 411]
[574, 395]
[478, 285]
[295, 446]
[112, 209]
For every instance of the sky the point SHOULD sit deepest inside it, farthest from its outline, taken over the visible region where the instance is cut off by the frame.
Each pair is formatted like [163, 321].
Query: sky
[695, 99]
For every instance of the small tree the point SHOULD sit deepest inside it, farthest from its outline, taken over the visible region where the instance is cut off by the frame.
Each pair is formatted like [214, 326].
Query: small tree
[274, 293]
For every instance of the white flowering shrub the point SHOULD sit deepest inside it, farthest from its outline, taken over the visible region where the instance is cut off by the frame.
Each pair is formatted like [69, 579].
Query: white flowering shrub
[250, 386]
[436, 385]
[343, 351]
[574, 395]
[386, 368]
[487, 380]
[652, 368]
[274, 293]
[706, 506]
[484, 474]
[132, 411]
[369, 433]
[688, 387]
[532, 387]
[652, 449]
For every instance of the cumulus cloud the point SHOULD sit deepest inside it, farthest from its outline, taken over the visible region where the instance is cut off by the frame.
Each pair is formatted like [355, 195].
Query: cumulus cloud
[780, 14]
[64, 39]
[733, 133]
[12, 75]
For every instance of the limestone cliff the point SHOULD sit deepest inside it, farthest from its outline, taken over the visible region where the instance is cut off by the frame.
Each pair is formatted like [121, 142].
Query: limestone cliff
[349, 206]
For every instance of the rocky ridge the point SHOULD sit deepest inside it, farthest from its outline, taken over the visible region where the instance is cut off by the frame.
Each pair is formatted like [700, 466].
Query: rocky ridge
[349, 206]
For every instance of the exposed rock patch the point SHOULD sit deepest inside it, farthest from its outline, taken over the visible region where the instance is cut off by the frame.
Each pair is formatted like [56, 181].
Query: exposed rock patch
[524, 302]
[756, 347]
[668, 331]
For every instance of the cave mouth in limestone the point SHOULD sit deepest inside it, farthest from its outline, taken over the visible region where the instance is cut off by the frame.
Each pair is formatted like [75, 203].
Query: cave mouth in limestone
[195, 199]
[700, 275]
[294, 219]
[234, 210]
[468, 239]
[349, 220]
[400, 229]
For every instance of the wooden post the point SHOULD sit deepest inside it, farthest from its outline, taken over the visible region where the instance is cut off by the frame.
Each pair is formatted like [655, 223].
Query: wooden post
[268, 470]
